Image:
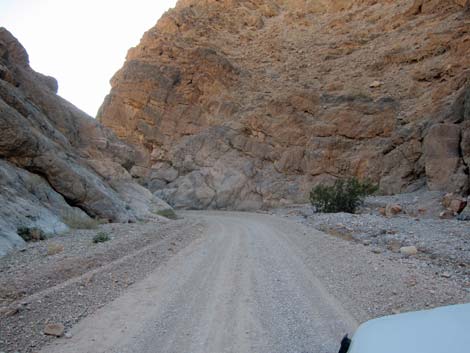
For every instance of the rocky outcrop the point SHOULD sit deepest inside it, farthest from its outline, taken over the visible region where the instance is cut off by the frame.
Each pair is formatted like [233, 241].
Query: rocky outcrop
[57, 165]
[444, 165]
[244, 104]
[446, 147]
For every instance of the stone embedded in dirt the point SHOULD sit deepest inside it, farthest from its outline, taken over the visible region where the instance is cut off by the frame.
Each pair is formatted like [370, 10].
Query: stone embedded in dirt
[408, 250]
[54, 329]
[376, 250]
[9, 311]
[392, 210]
[458, 205]
[447, 199]
[454, 203]
[422, 210]
[375, 84]
[446, 214]
[394, 245]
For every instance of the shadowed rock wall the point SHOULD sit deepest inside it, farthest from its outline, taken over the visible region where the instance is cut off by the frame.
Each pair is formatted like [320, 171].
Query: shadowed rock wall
[57, 165]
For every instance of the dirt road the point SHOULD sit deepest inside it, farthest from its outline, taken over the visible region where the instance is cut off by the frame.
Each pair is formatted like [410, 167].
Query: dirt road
[262, 284]
[241, 288]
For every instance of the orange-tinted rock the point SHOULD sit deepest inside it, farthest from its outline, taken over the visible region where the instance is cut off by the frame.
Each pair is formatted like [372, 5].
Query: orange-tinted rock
[457, 205]
[454, 203]
[250, 102]
[392, 210]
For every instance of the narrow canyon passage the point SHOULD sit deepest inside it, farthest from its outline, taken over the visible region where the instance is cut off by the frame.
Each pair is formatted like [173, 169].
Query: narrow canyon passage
[243, 287]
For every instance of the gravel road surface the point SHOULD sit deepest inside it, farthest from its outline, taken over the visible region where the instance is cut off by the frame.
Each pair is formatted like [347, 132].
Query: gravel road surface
[242, 288]
[255, 283]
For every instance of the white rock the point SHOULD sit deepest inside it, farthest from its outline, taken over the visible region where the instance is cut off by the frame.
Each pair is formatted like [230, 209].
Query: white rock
[408, 250]
[376, 84]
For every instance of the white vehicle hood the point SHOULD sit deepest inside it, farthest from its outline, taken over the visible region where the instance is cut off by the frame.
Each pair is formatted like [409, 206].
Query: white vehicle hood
[440, 330]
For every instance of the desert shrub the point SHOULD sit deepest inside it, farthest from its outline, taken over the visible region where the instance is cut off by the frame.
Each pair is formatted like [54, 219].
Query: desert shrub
[100, 237]
[167, 213]
[78, 221]
[344, 196]
[31, 234]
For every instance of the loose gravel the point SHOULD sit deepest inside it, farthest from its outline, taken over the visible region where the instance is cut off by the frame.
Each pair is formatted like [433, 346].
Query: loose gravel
[356, 259]
[443, 244]
[38, 287]
[260, 284]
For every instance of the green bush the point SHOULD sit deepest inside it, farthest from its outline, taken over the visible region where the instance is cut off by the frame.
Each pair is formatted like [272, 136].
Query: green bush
[344, 196]
[167, 213]
[100, 237]
[31, 234]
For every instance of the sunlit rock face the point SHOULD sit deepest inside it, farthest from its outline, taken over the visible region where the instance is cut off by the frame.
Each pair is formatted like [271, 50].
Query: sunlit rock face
[58, 166]
[244, 104]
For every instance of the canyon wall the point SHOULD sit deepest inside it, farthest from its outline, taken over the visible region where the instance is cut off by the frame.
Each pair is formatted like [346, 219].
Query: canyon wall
[249, 103]
[58, 166]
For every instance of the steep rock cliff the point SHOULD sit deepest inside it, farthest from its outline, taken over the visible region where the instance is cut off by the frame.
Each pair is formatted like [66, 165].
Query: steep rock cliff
[57, 165]
[248, 103]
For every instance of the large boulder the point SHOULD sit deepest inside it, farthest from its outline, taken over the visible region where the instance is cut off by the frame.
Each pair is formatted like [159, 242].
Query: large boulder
[29, 201]
[444, 168]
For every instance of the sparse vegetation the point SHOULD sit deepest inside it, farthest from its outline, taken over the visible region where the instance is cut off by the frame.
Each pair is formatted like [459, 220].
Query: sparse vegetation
[31, 234]
[100, 237]
[167, 213]
[344, 196]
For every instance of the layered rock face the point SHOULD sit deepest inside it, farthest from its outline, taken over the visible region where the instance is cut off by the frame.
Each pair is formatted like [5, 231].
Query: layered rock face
[244, 104]
[57, 165]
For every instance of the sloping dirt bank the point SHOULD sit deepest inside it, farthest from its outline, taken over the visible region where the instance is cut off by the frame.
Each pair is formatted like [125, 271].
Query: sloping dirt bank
[39, 287]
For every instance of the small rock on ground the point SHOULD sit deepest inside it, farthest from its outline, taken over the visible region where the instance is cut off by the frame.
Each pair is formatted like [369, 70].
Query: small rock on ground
[55, 329]
[408, 250]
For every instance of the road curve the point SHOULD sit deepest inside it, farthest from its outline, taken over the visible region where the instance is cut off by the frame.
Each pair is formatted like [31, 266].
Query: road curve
[241, 288]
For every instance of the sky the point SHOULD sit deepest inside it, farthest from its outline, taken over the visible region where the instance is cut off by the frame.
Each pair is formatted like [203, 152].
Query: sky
[80, 43]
